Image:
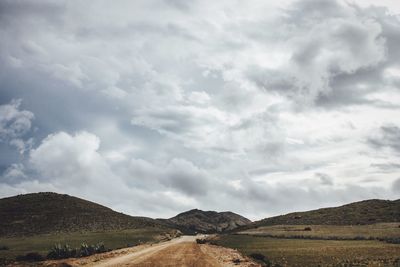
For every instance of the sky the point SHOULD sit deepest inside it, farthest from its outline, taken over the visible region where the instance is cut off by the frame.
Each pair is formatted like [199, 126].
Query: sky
[156, 107]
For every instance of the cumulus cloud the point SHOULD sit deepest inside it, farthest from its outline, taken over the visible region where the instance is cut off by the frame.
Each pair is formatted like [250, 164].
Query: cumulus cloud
[74, 162]
[15, 124]
[178, 174]
[14, 174]
[324, 39]
[71, 159]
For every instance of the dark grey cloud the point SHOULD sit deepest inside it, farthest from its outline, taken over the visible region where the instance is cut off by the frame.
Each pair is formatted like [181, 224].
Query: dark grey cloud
[325, 178]
[388, 137]
[339, 56]
[15, 124]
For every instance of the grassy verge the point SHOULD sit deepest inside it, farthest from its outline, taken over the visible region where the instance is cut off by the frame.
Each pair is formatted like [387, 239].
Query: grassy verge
[373, 231]
[43, 243]
[300, 252]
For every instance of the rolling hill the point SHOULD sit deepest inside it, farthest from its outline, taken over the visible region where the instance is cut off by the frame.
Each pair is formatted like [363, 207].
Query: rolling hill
[42, 213]
[207, 221]
[357, 213]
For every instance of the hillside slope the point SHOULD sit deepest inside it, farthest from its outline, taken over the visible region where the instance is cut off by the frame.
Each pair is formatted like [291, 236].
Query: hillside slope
[41, 213]
[207, 221]
[363, 212]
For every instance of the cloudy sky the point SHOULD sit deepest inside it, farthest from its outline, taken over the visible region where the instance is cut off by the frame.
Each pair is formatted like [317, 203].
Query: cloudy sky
[155, 107]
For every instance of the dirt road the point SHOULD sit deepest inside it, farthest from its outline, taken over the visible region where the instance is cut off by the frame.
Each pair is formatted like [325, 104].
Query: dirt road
[182, 251]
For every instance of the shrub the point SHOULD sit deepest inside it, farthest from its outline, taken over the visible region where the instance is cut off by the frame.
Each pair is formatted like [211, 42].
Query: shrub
[87, 250]
[4, 261]
[258, 256]
[4, 248]
[307, 229]
[261, 258]
[61, 252]
[201, 241]
[393, 240]
[359, 238]
[236, 261]
[31, 256]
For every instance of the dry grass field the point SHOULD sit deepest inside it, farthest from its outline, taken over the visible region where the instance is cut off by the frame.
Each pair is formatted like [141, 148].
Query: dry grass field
[372, 231]
[304, 252]
[42, 243]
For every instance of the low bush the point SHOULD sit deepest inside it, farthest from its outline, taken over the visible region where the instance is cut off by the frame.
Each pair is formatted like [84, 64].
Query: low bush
[236, 261]
[261, 258]
[307, 229]
[4, 261]
[4, 248]
[393, 240]
[64, 252]
[31, 257]
[264, 260]
[87, 250]
[257, 256]
[201, 241]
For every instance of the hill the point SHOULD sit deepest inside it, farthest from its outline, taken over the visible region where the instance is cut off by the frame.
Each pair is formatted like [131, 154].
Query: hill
[358, 213]
[207, 221]
[42, 213]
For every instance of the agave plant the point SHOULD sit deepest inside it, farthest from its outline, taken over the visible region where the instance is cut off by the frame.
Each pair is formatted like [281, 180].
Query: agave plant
[61, 252]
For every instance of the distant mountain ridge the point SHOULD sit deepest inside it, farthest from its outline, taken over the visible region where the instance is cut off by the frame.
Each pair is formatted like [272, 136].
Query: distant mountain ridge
[362, 212]
[42, 213]
[207, 221]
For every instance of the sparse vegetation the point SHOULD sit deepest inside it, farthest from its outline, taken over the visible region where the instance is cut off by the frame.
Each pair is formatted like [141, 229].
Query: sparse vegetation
[61, 252]
[381, 231]
[47, 213]
[393, 240]
[236, 261]
[201, 241]
[260, 258]
[300, 252]
[358, 213]
[65, 251]
[30, 257]
[113, 240]
[199, 221]
[32, 224]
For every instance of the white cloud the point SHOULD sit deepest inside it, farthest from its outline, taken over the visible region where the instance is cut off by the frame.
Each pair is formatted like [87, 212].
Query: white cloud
[71, 159]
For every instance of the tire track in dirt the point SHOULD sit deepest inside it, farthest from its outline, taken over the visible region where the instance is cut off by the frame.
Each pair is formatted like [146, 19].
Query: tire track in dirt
[182, 254]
